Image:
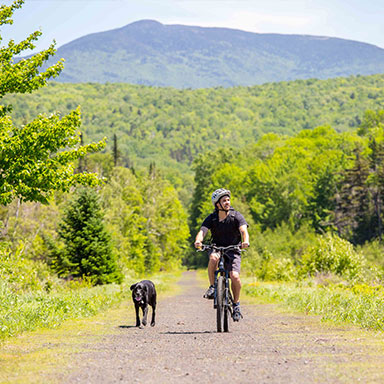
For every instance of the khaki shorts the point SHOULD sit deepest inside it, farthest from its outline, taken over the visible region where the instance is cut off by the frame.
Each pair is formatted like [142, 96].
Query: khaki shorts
[232, 261]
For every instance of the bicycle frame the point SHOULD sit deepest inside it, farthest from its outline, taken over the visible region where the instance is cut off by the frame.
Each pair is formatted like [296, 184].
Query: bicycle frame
[222, 297]
[227, 294]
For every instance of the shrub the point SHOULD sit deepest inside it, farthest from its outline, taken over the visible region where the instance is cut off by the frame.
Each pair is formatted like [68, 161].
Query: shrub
[335, 255]
[276, 269]
[22, 274]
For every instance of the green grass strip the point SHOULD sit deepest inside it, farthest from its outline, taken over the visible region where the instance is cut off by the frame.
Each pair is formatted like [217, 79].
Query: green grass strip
[361, 307]
[20, 312]
[26, 312]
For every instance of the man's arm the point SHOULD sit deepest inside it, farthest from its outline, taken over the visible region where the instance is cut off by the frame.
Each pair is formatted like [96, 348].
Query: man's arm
[200, 237]
[244, 235]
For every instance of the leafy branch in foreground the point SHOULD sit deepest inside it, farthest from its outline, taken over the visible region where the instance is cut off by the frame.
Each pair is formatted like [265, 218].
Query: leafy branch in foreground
[35, 159]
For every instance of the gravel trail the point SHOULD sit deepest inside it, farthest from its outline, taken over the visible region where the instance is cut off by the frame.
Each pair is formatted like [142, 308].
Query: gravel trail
[267, 346]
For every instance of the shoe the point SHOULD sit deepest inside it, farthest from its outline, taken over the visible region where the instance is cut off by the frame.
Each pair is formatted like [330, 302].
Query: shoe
[210, 293]
[236, 313]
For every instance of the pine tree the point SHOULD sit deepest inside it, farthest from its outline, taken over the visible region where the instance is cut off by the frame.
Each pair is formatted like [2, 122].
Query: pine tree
[376, 182]
[353, 213]
[88, 247]
[116, 152]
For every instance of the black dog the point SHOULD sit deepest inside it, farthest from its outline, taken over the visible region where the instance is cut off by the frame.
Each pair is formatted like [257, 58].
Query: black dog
[144, 294]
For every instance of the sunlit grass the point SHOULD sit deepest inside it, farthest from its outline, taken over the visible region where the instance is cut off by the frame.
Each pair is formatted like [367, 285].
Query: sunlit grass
[361, 305]
[46, 355]
[22, 312]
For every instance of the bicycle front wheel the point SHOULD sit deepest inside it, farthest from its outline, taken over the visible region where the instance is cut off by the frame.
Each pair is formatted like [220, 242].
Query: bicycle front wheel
[226, 319]
[227, 311]
[220, 304]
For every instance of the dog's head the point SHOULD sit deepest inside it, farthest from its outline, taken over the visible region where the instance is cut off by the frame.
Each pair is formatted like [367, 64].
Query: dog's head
[139, 292]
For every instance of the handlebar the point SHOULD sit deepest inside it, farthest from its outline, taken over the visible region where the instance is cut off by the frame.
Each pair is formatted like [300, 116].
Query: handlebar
[214, 247]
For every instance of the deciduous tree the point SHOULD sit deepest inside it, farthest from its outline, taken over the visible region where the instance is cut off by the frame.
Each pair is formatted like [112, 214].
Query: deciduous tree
[36, 158]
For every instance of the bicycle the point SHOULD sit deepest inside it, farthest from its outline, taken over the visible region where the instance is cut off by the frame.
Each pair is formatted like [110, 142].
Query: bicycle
[222, 300]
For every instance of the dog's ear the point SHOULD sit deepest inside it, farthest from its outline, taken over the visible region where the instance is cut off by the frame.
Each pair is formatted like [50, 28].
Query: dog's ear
[133, 286]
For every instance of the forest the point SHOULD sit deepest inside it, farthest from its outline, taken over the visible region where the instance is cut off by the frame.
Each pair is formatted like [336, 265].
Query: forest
[92, 196]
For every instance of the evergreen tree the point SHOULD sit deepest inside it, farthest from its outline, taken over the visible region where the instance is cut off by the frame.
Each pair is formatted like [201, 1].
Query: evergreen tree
[376, 182]
[353, 213]
[88, 247]
[322, 202]
[116, 152]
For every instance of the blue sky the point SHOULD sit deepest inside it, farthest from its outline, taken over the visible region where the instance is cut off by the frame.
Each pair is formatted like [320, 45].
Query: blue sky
[66, 20]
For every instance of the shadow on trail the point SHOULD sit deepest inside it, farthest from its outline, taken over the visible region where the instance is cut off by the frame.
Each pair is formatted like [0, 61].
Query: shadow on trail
[186, 333]
[128, 326]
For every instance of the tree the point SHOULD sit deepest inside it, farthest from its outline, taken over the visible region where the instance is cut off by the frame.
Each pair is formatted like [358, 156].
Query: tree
[37, 158]
[88, 247]
[116, 152]
[373, 120]
[353, 211]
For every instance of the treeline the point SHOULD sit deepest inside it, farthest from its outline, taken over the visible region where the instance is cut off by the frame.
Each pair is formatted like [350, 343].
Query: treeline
[292, 189]
[174, 126]
[134, 223]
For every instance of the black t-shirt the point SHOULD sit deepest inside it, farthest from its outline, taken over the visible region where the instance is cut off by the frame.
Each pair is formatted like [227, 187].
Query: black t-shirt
[225, 232]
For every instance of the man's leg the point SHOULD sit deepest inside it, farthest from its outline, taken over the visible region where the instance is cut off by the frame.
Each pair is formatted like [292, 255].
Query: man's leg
[236, 288]
[236, 285]
[212, 266]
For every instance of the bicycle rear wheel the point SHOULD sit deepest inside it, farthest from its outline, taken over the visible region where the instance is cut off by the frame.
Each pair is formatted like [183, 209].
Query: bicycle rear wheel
[220, 304]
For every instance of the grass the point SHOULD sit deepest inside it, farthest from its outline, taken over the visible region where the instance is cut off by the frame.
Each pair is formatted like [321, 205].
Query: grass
[360, 305]
[46, 355]
[41, 309]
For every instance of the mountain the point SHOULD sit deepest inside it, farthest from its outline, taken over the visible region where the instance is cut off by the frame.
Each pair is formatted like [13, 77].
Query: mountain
[150, 53]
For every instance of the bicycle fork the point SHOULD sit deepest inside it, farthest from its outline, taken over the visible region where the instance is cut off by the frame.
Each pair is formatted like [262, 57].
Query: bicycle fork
[217, 272]
[227, 292]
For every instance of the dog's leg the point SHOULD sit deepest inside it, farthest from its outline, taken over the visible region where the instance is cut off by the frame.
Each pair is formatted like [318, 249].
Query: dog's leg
[145, 313]
[153, 315]
[137, 315]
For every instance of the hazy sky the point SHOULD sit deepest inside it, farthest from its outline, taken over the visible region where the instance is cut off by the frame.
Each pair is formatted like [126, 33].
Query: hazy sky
[66, 20]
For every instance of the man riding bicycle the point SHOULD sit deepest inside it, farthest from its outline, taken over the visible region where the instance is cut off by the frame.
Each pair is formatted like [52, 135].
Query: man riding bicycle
[228, 227]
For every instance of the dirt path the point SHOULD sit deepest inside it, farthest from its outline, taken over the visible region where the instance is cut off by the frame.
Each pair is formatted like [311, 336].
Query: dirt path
[268, 346]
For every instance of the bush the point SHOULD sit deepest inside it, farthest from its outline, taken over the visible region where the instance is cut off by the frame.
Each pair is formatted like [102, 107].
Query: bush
[373, 251]
[276, 269]
[22, 274]
[283, 241]
[335, 255]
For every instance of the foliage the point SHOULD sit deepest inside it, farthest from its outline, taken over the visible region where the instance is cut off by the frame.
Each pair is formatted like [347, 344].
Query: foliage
[22, 76]
[88, 249]
[335, 255]
[48, 308]
[281, 269]
[147, 221]
[22, 274]
[36, 158]
[25, 312]
[373, 251]
[173, 126]
[362, 304]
